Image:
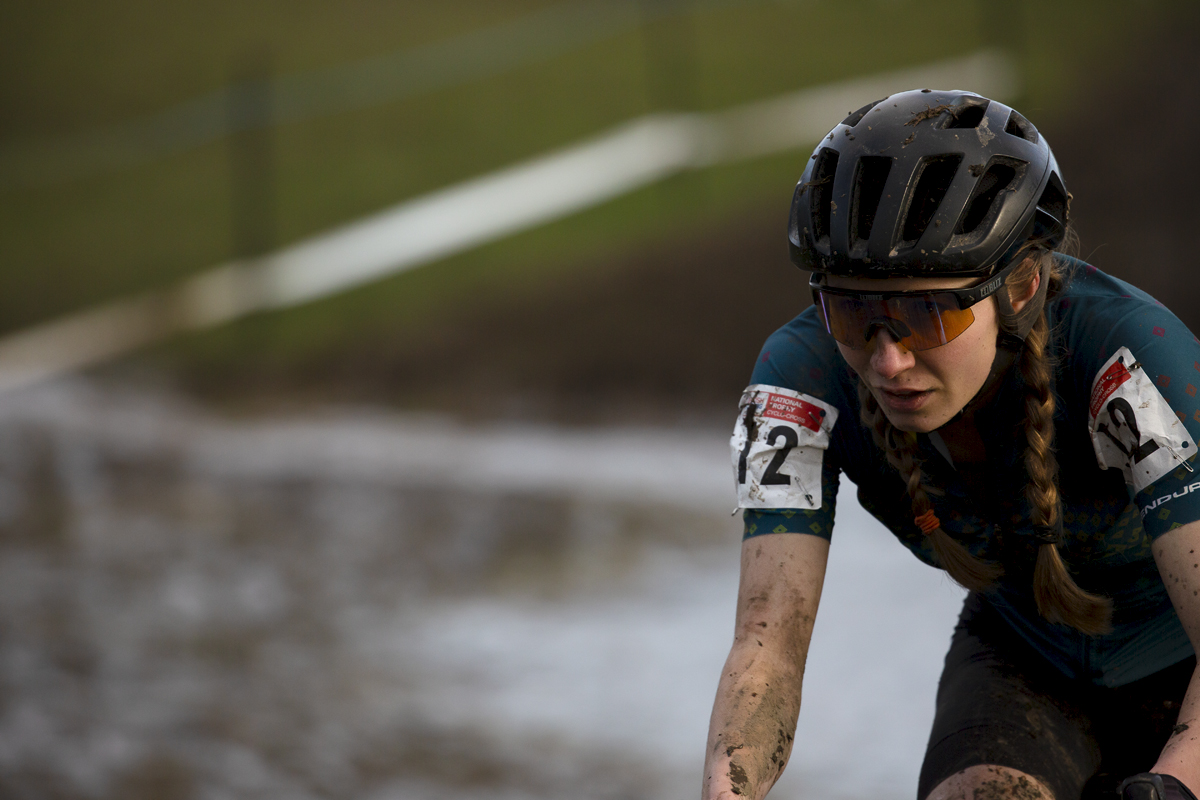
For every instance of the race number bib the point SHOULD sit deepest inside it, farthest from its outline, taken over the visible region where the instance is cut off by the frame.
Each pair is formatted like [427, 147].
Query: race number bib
[1132, 427]
[777, 445]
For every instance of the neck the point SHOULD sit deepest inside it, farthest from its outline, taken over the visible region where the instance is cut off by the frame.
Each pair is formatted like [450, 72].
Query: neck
[961, 434]
[962, 439]
[1001, 364]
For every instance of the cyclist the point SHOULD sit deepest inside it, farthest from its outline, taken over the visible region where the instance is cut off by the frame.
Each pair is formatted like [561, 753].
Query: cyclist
[1015, 417]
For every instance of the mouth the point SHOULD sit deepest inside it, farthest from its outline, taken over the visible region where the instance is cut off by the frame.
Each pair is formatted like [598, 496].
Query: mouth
[903, 399]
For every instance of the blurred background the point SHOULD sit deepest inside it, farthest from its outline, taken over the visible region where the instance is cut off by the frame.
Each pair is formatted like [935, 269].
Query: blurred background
[366, 370]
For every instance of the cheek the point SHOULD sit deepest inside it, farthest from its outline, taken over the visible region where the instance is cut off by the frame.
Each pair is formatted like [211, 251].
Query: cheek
[986, 325]
[857, 359]
[971, 358]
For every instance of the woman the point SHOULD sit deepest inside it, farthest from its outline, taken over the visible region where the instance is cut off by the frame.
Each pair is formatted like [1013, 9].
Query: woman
[1013, 416]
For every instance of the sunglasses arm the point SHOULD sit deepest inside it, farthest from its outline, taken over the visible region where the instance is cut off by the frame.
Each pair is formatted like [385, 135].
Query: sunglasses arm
[965, 298]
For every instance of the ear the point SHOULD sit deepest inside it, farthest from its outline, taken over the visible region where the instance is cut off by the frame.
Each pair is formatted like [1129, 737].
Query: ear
[1019, 302]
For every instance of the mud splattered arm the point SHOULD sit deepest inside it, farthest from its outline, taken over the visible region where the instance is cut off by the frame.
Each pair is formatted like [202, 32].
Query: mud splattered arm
[758, 699]
[1177, 553]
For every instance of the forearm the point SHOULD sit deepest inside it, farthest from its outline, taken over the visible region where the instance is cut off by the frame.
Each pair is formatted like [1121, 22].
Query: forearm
[1174, 552]
[1181, 756]
[758, 698]
[753, 723]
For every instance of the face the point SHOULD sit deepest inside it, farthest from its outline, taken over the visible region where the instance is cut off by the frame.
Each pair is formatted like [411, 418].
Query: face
[921, 390]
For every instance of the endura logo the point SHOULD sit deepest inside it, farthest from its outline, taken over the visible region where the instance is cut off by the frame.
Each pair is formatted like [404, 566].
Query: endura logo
[1168, 497]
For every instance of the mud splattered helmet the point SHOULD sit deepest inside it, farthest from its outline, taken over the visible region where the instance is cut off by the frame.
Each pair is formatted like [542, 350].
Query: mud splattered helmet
[926, 183]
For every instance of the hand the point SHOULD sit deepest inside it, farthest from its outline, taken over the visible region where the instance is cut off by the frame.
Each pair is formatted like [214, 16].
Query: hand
[1153, 786]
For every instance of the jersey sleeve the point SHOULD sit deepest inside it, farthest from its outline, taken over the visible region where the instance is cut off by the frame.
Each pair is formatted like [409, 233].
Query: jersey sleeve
[1143, 415]
[783, 469]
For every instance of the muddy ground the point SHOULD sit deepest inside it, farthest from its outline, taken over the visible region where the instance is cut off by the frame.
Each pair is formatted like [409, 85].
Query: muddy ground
[671, 331]
[346, 604]
[320, 608]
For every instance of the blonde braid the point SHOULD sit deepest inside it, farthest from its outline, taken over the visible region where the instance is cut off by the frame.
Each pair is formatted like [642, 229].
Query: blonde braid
[1059, 598]
[900, 448]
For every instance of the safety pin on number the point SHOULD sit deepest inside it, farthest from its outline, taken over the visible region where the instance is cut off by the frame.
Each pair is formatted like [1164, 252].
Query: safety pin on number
[1180, 459]
[804, 489]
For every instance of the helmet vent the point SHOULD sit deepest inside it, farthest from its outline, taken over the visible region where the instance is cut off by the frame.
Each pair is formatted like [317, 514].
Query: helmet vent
[821, 187]
[1056, 203]
[869, 180]
[936, 175]
[1000, 174]
[1019, 126]
[968, 115]
[856, 116]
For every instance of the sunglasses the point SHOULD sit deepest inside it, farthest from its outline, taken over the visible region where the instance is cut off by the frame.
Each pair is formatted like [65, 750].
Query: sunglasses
[919, 320]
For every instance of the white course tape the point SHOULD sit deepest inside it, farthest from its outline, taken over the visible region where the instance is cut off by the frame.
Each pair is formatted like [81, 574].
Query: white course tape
[458, 218]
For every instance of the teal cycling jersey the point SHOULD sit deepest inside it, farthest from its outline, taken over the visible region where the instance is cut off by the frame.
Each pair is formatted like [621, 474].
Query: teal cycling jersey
[1125, 378]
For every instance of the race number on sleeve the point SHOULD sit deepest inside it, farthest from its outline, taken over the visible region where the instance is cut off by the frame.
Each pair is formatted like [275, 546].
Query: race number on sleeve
[1132, 427]
[778, 446]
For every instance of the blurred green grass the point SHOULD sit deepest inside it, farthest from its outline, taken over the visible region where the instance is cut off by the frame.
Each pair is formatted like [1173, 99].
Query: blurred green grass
[71, 67]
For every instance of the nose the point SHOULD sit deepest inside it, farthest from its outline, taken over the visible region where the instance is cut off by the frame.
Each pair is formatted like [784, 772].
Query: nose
[889, 358]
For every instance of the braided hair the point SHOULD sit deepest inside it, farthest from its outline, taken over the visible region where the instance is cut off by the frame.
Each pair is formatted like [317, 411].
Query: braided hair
[1059, 599]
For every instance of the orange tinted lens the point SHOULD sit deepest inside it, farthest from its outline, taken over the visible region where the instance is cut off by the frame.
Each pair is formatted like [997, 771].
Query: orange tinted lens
[929, 320]
[934, 319]
[846, 318]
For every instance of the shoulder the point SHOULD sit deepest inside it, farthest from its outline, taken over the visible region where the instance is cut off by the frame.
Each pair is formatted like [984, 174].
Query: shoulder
[1129, 370]
[787, 443]
[1096, 307]
[1097, 315]
[802, 357]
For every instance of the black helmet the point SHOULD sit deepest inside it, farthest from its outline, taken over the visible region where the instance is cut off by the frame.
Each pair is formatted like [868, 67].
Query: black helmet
[926, 182]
